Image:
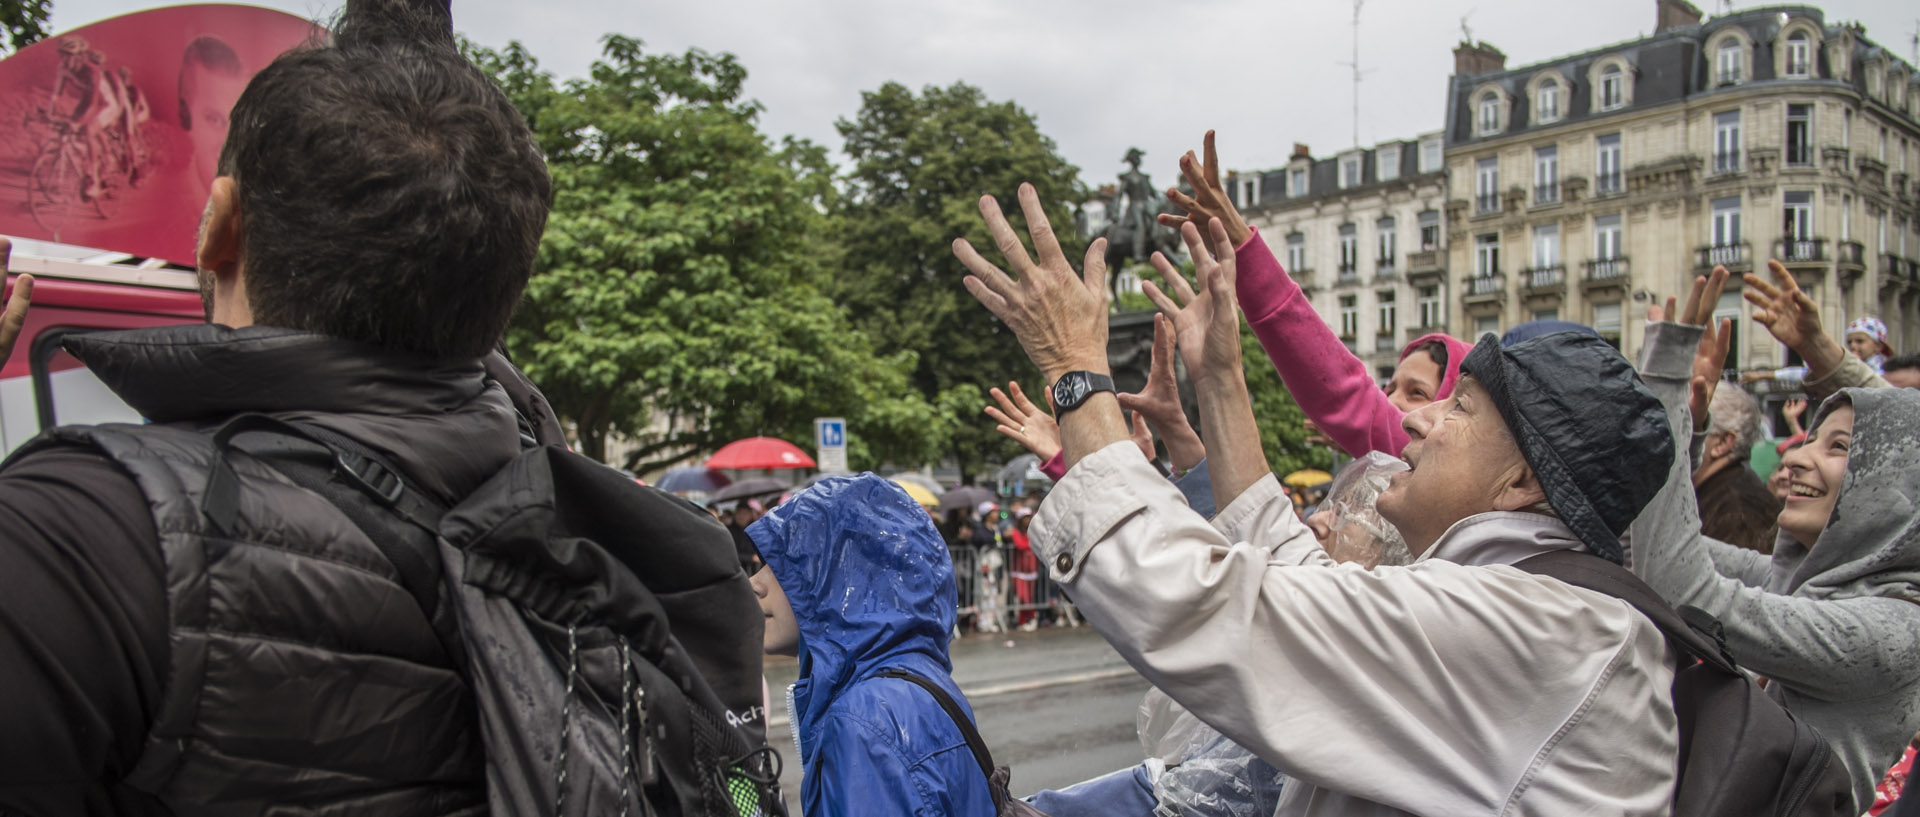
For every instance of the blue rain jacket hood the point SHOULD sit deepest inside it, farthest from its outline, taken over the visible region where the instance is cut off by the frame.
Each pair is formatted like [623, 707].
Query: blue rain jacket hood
[871, 586]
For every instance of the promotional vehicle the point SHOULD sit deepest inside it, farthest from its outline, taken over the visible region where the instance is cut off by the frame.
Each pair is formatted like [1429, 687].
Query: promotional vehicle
[112, 133]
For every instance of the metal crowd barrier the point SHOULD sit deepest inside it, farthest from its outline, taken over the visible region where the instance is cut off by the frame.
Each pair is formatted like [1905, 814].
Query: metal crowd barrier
[1003, 588]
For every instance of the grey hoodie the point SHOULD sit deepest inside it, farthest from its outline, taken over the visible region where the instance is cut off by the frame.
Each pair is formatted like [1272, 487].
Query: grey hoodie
[1836, 626]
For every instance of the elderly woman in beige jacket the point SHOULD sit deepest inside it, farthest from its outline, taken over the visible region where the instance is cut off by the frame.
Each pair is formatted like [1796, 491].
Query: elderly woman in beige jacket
[1456, 685]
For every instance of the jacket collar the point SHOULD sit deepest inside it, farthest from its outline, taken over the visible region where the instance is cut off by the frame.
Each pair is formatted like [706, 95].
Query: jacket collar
[1502, 538]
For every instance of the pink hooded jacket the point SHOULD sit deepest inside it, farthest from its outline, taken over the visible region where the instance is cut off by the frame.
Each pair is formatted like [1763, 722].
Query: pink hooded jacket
[1332, 386]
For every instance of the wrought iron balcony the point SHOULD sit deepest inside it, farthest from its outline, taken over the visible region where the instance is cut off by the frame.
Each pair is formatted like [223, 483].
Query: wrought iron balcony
[1544, 280]
[1607, 184]
[1730, 256]
[1727, 162]
[1486, 203]
[1546, 193]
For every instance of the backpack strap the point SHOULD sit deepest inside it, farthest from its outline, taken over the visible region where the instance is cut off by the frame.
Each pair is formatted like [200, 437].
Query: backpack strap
[979, 747]
[1689, 630]
[402, 522]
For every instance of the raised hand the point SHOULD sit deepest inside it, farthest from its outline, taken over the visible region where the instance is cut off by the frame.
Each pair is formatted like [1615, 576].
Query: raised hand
[1209, 200]
[1207, 322]
[1025, 423]
[1059, 316]
[1791, 410]
[1159, 402]
[15, 317]
[1793, 319]
[1710, 359]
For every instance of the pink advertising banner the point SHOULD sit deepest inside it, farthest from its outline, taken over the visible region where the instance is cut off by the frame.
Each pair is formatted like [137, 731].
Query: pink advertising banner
[109, 133]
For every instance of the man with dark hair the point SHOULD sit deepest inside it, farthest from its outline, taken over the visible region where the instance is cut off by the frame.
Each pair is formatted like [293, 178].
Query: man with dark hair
[375, 219]
[1902, 372]
[211, 79]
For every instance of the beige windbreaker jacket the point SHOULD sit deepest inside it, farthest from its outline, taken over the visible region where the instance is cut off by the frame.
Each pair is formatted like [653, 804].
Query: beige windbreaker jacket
[1454, 686]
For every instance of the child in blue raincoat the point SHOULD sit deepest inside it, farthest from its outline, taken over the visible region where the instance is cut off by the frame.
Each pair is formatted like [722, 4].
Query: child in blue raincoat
[858, 581]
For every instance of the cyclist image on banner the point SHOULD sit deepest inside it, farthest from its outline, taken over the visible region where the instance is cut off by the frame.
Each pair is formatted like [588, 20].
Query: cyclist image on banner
[94, 165]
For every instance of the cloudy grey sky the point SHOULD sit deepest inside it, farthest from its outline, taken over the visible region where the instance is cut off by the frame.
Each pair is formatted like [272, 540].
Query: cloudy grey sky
[1100, 76]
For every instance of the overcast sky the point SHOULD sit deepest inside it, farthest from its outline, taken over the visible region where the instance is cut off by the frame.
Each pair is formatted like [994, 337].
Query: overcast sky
[1100, 75]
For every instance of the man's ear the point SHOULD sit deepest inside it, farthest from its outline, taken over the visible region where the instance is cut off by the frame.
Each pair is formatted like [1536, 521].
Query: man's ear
[1519, 490]
[1719, 445]
[219, 246]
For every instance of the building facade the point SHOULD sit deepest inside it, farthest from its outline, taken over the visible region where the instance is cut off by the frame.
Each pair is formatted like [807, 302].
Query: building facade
[1590, 186]
[1362, 232]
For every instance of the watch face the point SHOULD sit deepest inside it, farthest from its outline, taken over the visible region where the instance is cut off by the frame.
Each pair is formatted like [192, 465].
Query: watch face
[1070, 389]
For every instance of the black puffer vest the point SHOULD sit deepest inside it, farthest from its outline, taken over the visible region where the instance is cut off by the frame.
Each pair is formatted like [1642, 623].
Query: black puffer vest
[303, 678]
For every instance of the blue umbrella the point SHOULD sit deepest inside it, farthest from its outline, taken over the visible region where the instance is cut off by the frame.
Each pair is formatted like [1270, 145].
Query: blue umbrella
[693, 478]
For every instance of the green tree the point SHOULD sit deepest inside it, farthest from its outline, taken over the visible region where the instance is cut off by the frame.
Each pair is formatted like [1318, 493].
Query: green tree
[677, 300]
[24, 22]
[920, 164]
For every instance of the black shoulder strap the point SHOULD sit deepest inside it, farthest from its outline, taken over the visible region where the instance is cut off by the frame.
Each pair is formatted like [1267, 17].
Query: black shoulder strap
[1689, 630]
[979, 747]
[370, 493]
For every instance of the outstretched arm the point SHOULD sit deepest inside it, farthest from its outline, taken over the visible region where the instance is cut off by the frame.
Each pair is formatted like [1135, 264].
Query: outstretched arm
[1332, 386]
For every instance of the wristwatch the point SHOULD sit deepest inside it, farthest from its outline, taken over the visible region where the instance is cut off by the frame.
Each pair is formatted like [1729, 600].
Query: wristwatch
[1073, 388]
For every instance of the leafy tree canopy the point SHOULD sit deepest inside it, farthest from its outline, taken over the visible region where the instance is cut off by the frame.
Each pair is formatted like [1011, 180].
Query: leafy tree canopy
[24, 22]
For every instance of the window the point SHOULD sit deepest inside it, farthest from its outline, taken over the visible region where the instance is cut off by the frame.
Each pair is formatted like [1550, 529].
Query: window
[1726, 142]
[1297, 182]
[1547, 314]
[1486, 254]
[1606, 321]
[1349, 315]
[1349, 171]
[1729, 61]
[1486, 185]
[1726, 228]
[1296, 252]
[1606, 237]
[1486, 325]
[1800, 134]
[1799, 56]
[1430, 231]
[1547, 101]
[1349, 249]
[1607, 174]
[1546, 175]
[1430, 159]
[1729, 307]
[1846, 128]
[1428, 299]
[1250, 191]
[1883, 145]
[1613, 88]
[1798, 222]
[1389, 311]
[1384, 231]
[1546, 246]
[1846, 218]
[1489, 113]
[1386, 164]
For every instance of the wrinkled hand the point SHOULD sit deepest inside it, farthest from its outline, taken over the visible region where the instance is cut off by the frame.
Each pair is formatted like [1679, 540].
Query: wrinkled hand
[1208, 201]
[1060, 317]
[1024, 423]
[1785, 310]
[1206, 323]
[1710, 357]
[1141, 435]
[1159, 402]
[15, 318]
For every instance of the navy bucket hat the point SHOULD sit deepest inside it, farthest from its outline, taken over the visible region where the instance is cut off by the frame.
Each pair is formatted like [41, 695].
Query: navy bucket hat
[1593, 434]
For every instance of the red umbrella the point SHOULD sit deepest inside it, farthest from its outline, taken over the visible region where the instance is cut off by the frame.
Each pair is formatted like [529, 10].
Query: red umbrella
[760, 452]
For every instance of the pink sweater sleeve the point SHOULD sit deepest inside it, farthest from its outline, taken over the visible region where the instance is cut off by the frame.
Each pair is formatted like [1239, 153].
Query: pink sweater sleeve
[1331, 385]
[1055, 468]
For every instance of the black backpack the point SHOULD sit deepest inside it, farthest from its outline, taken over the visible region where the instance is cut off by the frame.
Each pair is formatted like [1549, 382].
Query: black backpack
[1741, 753]
[998, 777]
[604, 626]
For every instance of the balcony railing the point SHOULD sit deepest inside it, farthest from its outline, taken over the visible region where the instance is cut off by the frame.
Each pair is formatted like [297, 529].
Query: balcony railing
[1852, 253]
[1385, 271]
[1607, 271]
[1546, 193]
[1607, 184]
[1544, 280]
[1727, 255]
[1728, 162]
[1799, 154]
[1425, 261]
[1486, 203]
[1800, 250]
[1385, 342]
[1349, 272]
[1486, 287]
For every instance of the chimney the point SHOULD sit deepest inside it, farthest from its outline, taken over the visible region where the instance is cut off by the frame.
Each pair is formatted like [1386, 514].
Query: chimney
[1471, 58]
[1300, 151]
[1675, 14]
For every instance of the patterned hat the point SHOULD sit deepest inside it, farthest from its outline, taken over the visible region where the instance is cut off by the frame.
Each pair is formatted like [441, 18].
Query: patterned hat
[1873, 328]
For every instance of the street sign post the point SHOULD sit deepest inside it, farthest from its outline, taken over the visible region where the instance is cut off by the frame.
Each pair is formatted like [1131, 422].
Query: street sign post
[830, 444]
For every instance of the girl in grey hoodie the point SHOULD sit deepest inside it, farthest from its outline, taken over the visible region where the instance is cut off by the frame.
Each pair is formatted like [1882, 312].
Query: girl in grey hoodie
[1832, 618]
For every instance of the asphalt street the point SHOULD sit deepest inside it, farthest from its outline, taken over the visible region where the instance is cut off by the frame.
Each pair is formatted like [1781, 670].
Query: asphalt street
[1057, 705]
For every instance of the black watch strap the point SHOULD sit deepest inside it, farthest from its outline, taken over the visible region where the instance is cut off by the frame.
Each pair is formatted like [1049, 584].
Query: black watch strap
[1074, 388]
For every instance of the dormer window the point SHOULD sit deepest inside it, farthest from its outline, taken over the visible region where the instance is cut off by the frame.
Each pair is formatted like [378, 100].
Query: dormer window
[1799, 55]
[1489, 113]
[1613, 88]
[1730, 62]
[1547, 101]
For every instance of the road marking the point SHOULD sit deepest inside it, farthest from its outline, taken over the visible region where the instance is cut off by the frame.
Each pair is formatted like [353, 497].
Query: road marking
[1011, 687]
